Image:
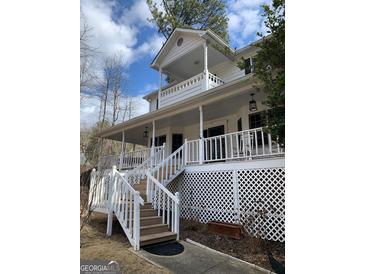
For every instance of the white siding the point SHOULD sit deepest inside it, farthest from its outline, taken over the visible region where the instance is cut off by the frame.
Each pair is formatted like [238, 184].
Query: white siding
[190, 42]
[153, 103]
[227, 71]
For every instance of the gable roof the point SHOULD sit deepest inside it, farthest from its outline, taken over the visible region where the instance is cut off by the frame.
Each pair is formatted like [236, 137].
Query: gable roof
[205, 34]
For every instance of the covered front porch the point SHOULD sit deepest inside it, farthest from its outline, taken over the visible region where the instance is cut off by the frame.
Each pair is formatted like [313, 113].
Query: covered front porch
[223, 128]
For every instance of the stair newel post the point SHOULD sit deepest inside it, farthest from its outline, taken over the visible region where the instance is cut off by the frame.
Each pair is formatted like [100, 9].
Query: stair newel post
[163, 152]
[177, 215]
[185, 151]
[136, 228]
[92, 189]
[109, 226]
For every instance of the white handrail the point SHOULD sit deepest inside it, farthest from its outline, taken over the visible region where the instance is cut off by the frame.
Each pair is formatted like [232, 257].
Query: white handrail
[126, 206]
[170, 166]
[166, 204]
[159, 185]
[135, 175]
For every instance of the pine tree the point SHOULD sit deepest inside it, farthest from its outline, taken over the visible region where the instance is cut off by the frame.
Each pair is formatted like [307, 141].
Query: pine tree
[197, 14]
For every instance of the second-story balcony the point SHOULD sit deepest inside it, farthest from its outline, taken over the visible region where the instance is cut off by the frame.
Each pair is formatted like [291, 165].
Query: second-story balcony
[188, 88]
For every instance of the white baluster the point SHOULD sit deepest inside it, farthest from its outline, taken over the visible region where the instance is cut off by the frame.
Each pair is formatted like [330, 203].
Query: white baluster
[163, 208]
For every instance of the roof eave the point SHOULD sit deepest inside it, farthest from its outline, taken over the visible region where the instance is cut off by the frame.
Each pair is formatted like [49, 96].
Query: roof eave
[154, 64]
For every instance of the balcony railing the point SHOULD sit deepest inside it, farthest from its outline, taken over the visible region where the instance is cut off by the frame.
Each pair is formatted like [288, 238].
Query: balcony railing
[188, 88]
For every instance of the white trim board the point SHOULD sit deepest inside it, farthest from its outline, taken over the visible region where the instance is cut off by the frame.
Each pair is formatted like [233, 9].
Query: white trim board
[239, 165]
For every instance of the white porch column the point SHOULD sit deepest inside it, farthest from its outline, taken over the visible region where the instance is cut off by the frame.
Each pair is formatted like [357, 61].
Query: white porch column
[206, 72]
[201, 136]
[122, 152]
[153, 137]
[160, 89]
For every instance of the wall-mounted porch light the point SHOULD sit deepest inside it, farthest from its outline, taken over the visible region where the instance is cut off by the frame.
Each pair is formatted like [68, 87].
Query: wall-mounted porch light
[252, 104]
[145, 133]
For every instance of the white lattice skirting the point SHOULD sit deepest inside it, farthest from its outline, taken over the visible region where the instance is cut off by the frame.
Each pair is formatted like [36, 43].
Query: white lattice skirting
[253, 197]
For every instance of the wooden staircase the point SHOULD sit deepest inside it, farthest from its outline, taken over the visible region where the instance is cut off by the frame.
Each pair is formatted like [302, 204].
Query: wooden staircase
[152, 229]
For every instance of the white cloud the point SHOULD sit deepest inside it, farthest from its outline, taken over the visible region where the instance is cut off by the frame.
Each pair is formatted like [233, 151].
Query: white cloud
[137, 14]
[141, 105]
[151, 47]
[245, 20]
[120, 35]
[112, 35]
[89, 111]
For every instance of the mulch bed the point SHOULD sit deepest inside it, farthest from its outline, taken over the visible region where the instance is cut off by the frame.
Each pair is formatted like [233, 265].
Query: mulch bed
[250, 249]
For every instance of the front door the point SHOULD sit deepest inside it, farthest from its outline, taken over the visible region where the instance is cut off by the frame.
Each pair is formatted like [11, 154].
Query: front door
[215, 147]
[177, 141]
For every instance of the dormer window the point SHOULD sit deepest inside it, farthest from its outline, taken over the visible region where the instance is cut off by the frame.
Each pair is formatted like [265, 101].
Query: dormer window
[180, 41]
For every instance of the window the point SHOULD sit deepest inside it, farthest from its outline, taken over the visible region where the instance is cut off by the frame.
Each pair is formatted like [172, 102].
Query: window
[248, 65]
[256, 119]
[239, 124]
[157, 103]
[180, 41]
[159, 140]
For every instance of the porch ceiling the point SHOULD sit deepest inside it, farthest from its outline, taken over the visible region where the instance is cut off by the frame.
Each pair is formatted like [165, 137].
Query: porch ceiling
[212, 111]
[193, 63]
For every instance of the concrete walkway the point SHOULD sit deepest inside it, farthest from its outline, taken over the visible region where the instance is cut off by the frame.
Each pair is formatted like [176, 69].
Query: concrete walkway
[196, 260]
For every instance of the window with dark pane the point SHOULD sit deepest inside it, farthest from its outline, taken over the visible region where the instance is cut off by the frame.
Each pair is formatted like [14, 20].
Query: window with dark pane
[255, 121]
[248, 65]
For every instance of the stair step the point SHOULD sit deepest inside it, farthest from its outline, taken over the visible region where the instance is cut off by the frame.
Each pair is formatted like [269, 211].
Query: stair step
[146, 206]
[148, 220]
[148, 212]
[153, 220]
[157, 238]
[140, 186]
[153, 229]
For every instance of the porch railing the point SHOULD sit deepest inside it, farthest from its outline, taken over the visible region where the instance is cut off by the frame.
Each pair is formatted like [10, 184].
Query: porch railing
[136, 158]
[192, 151]
[247, 144]
[128, 160]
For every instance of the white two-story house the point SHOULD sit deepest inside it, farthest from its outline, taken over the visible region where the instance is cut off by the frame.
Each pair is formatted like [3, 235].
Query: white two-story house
[204, 139]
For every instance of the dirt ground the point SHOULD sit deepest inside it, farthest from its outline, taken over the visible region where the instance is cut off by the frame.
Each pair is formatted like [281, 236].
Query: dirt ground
[249, 249]
[95, 245]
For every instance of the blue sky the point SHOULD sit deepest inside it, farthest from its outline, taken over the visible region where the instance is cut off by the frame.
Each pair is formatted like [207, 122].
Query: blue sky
[122, 26]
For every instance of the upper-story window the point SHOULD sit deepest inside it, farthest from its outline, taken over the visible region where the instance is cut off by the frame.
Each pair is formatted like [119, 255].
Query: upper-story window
[180, 41]
[248, 65]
